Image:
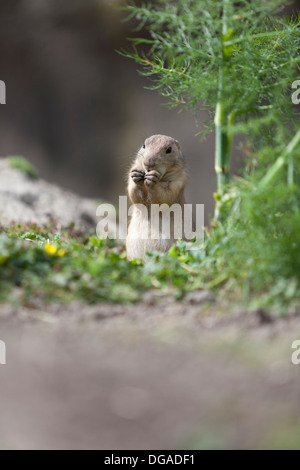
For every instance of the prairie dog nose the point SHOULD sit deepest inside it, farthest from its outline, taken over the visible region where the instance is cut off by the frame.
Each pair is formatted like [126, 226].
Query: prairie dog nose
[149, 163]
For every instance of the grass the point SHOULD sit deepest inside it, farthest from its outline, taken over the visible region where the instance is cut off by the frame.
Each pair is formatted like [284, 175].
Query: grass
[75, 265]
[252, 261]
[70, 265]
[63, 266]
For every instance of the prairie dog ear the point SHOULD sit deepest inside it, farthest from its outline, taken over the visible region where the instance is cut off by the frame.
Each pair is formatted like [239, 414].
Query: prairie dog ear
[177, 143]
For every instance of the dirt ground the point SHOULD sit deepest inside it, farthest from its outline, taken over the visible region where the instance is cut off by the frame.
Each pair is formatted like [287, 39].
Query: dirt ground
[163, 376]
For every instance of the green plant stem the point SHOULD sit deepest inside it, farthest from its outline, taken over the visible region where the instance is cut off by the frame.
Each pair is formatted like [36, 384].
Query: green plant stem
[290, 173]
[285, 158]
[223, 146]
[223, 127]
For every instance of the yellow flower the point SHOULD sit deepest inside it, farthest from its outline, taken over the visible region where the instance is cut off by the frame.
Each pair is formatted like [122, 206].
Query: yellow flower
[61, 253]
[50, 249]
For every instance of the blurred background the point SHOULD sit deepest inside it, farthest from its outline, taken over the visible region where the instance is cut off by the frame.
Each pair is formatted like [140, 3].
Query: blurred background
[78, 110]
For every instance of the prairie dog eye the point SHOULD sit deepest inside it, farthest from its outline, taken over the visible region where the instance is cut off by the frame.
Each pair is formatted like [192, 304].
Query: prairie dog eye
[169, 150]
[143, 146]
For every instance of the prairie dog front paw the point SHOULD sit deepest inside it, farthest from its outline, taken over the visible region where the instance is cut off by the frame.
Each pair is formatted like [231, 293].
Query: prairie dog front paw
[152, 177]
[137, 175]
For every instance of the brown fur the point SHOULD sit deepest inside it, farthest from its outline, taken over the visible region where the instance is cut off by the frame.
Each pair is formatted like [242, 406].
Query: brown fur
[156, 177]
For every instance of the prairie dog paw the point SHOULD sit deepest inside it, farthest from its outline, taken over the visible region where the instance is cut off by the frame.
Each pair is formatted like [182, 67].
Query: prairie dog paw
[137, 175]
[152, 177]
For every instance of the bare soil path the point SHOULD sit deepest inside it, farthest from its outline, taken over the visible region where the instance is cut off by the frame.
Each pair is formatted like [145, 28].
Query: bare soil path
[147, 377]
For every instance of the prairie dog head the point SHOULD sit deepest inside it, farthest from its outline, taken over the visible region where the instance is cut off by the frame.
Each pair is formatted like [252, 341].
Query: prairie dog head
[161, 153]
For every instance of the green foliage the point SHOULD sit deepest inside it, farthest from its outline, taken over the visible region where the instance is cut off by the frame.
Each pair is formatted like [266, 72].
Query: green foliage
[252, 259]
[237, 60]
[64, 267]
[191, 43]
[71, 265]
[257, 248]
[20, 163]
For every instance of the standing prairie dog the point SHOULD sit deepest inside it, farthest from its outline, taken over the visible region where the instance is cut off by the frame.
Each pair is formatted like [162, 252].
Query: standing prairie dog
[157, 176]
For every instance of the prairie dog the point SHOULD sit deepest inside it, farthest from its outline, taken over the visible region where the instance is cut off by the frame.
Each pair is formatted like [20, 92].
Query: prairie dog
[157, 176]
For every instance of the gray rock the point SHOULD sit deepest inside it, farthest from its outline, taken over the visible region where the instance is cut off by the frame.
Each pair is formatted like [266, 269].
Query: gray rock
[25, 200]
